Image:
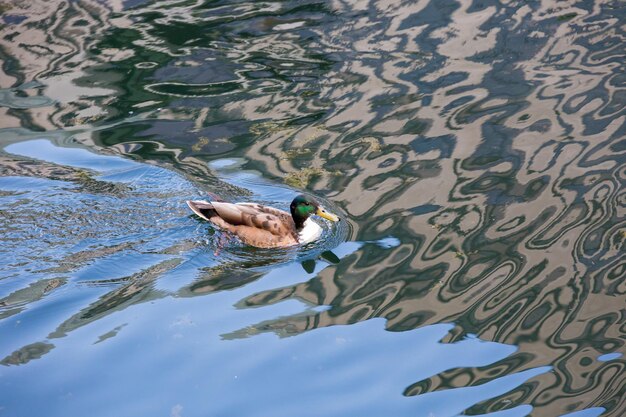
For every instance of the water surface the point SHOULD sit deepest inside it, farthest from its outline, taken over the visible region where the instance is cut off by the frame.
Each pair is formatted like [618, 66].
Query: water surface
[475, 150]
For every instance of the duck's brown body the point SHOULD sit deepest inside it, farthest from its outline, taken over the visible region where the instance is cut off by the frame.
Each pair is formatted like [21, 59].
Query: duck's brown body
[254, 224]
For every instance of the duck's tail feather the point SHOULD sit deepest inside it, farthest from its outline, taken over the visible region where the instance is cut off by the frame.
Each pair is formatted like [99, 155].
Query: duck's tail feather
[202, 208]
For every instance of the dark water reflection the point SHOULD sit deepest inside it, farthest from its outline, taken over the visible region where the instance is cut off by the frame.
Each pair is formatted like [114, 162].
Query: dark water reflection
[476, 150]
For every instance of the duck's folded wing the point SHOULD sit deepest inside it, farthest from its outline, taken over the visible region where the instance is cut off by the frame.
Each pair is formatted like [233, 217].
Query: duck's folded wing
[250, 215]
[266, 210]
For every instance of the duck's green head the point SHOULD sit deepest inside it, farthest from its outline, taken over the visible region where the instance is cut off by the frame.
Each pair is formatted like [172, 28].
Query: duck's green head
[302, 207]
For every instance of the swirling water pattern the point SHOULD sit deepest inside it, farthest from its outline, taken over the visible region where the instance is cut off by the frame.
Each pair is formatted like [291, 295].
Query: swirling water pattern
[476, 150]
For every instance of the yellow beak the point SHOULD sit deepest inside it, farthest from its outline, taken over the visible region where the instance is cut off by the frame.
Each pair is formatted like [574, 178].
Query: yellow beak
[328, 216]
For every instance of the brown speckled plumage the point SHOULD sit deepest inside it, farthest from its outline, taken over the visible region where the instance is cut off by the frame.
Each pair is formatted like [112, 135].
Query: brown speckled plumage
[254, 224]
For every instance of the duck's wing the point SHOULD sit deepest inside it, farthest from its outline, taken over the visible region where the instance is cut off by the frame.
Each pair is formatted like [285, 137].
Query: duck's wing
[254, 224]
[265, 209]
[258, 225]
[255, 215]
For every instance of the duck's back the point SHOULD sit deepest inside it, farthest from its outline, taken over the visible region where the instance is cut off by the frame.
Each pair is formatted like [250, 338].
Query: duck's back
[254, 224]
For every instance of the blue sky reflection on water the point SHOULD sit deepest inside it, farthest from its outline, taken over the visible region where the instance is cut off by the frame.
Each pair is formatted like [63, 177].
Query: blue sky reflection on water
[339, 370]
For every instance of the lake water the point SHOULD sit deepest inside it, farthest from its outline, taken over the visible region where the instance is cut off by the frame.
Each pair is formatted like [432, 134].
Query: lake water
[475, 149]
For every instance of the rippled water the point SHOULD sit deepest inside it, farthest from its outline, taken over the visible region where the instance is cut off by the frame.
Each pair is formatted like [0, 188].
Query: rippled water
[475, 149]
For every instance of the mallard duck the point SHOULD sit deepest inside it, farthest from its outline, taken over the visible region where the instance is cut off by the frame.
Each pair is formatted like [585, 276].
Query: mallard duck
[263, 226]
